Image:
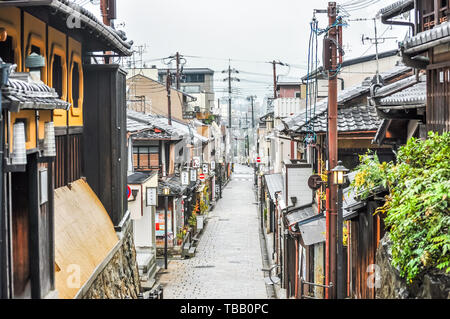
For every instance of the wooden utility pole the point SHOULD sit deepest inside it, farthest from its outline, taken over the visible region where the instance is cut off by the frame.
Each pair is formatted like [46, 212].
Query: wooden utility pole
[108, 12]
[274, 79]
[169, 107]
[274, 65]
[252, 99]
[229, 96]
[178, 70]
[331, 217]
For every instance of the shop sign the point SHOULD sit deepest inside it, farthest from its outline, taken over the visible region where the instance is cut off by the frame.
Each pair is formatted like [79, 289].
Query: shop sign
[185, 178]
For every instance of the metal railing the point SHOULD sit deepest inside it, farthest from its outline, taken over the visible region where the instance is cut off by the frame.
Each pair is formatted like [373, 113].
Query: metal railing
[303, 282]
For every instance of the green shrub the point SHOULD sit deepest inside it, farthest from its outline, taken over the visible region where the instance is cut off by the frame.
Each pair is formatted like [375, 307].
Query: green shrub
[417, 207]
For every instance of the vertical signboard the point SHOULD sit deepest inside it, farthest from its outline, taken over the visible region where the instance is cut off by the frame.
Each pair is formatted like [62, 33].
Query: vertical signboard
[151, 196]
[205, 169]
[185, 178]
[196, 162]
[193, 175]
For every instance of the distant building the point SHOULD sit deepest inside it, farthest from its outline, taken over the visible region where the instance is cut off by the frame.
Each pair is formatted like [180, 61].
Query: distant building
[198, 82]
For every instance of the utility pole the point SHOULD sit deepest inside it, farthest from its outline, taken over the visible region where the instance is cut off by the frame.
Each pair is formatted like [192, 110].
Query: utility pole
[180, 62]
[331, 274]
[229, 79]
[247, 137]
[178, 70]
[274, 65]
[168, 85]
[106, 17]
[252, 99]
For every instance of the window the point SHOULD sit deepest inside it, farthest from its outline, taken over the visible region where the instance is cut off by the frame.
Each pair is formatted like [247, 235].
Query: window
[146, 157]
[57, 75]
[76, 85]
[191, 89]
[193, 78]
[35, 49]
[298, 95]
[7, 50]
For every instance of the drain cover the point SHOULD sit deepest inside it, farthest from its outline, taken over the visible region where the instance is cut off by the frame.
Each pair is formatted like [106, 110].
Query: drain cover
[234, 262]
[205, 266]
[223, 220]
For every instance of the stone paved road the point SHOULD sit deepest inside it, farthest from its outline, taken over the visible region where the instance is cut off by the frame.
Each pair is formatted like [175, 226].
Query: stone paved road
[228, 262]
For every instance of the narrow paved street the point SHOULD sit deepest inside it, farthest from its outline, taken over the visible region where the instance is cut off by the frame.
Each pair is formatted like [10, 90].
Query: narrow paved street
[227, 263]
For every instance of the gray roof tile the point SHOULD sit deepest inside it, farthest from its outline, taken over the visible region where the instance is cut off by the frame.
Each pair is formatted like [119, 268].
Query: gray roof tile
[298, 121]
[24, 93]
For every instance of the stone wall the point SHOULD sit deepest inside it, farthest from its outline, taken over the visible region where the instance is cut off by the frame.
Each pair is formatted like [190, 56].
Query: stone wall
[118, 278]
[429, 285]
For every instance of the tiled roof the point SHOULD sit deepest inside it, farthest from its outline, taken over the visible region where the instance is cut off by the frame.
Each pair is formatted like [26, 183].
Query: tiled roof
[397, 8]
[415, 95]
[407, 91]
[174, 183]
[23, 93]
[351, 119]
[138, 121]
[298, 121]
[116, 40]
[139, 177]
[439, 32]
[299, 215]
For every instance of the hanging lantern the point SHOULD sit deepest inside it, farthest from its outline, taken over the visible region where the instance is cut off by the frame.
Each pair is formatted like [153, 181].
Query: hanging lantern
[19, 155]
[49, 140]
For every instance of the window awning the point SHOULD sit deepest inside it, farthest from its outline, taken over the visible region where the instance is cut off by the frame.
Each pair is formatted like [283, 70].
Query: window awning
[301, 214]
[313, 230]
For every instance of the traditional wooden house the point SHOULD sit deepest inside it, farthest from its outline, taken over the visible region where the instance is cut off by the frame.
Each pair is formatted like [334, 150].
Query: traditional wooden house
[156, 146]
[64, 154]
[427, 49]
[358, 123]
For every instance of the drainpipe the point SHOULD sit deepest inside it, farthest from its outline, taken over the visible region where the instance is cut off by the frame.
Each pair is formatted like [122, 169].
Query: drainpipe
[385, 20]
[4, 73]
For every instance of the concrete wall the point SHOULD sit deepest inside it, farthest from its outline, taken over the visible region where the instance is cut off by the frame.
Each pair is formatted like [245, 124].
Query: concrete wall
[355, 74]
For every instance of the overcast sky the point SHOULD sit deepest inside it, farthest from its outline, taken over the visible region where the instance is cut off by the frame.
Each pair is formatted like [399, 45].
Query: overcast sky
[250, 30]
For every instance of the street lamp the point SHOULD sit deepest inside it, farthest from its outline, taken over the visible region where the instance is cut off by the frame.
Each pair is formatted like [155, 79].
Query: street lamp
[339, 174]
[166, 192]
[339, 179]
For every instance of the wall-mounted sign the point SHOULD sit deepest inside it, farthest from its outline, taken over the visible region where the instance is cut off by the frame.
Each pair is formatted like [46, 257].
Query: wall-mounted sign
[43, 194]
[128, 191]
[205, 168]
[213, 165]
[193, 175]
[185, 178]
[196, 162]
[152, 196]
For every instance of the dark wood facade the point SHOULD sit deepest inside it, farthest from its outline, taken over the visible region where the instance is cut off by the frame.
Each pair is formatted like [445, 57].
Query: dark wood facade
[365, 231]
[104, 136]
[68, 165]
[431, 13]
